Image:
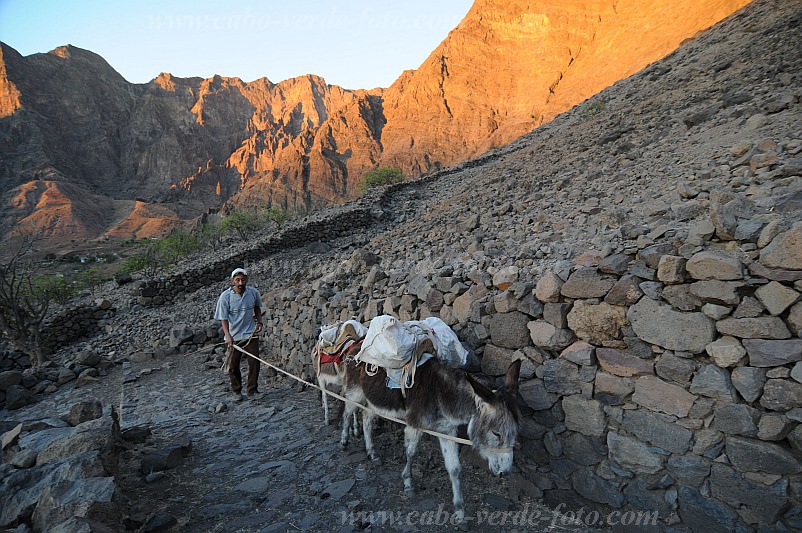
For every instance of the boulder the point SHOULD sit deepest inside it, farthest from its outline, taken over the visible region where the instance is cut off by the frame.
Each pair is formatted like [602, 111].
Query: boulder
[598, 323]
[587, 283]
[769, 353]
[632, 454]
[776, 297]
[655, 394]
[509, 330]
[714, 382]
[658, 430]
[714, 266]
[726, 351]
[548, 288]
[660, 324]
[749, 381]
[547, 336]
[584, 416]
[785, 250]
[764, 327]
[750, 455]
[624, 364]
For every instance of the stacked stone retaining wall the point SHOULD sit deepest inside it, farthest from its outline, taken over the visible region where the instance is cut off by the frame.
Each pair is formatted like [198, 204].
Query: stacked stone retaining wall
[665, 379]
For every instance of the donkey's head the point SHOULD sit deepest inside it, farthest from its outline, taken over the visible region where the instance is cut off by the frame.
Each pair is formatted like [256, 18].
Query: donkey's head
[495, 429]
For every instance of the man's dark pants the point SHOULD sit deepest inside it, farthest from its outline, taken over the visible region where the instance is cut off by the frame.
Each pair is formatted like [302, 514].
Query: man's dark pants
[252, 347]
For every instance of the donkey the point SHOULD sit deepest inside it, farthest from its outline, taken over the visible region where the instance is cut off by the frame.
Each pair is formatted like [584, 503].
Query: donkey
[442, 399]
[329, 370]
[327, 374]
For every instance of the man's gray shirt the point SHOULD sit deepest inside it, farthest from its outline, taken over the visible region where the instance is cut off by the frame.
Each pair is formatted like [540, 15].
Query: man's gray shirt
[238, 310]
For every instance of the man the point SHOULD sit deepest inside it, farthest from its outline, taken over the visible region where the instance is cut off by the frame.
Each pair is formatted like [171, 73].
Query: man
[239, 310]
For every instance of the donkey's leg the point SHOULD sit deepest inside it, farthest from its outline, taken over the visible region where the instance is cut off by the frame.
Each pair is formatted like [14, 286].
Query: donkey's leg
[451, 458]
[325, 400]
[348, 414]
[411, 439]
[367, 429]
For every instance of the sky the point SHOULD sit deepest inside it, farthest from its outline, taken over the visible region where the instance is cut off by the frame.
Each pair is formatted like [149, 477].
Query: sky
[357, 44]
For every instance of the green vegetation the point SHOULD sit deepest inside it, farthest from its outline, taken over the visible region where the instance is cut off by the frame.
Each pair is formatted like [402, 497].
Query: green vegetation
[381, 176]
[153, 255]
[28, 286]
[591, 109]
[277, 216]
[58, 288]
[246, 224]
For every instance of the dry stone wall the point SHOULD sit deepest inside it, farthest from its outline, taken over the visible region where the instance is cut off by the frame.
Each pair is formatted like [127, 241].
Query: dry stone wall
[667, 378]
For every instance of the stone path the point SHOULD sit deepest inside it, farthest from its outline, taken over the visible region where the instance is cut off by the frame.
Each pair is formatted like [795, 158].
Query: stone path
[271, 465]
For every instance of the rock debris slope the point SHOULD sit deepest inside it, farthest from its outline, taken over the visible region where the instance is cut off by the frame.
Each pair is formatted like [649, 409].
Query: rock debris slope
[641, 253]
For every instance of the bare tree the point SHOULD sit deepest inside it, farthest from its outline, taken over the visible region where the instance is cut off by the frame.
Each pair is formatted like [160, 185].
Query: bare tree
[23, 302]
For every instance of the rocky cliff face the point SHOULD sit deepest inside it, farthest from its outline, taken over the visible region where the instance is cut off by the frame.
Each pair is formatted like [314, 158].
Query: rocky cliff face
[72, 129]
[512, 66]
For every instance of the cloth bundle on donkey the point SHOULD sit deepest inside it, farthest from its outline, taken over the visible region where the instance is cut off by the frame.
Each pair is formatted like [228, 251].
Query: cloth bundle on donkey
[400, 348]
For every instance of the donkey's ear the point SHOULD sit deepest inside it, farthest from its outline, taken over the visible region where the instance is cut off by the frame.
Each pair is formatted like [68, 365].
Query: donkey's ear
[512, 376]
[483, 392]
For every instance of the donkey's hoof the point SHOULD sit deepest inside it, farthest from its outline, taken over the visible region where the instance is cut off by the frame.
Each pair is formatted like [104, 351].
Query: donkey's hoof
[409, 491]
[343, 445]
[376, 459]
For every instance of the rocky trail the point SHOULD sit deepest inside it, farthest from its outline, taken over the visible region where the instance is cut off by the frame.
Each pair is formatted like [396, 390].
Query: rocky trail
[272, 465]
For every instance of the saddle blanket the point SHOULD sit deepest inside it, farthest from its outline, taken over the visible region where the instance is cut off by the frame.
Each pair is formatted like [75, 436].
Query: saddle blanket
[396, 375]
[337, 357]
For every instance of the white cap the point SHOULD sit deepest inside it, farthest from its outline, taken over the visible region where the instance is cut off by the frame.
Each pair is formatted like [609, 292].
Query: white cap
[239, 271]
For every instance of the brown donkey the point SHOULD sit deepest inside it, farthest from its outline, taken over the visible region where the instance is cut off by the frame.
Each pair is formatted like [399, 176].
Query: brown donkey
[441, 400]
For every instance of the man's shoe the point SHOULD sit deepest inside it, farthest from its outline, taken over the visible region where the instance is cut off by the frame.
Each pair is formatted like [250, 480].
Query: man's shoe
[236, 396]
[255, 395]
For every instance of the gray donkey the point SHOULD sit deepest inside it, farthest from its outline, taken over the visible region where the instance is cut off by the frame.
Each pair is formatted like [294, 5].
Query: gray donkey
[441, 400]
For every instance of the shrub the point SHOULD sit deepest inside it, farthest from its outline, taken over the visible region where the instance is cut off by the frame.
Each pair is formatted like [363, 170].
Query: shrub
[212, 233]
[57, 288]
[278, 216]
[379, 177]
[243, 223]
[591, 109]
[175, 246]
[90, 279]
[144, 261]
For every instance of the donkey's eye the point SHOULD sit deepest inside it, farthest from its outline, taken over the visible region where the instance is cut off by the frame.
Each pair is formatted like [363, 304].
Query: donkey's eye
[497, 435]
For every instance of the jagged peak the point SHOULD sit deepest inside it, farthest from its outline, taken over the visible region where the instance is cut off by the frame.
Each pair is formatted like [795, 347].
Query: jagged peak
[63, 51]
[168, 82]
[221, 82]
[165, 81]
[81, 59]
[69, 51]
[264, 80]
